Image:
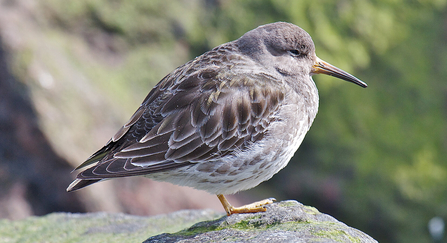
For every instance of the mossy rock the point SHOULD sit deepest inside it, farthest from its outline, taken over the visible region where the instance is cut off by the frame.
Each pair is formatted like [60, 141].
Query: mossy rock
[287, 221]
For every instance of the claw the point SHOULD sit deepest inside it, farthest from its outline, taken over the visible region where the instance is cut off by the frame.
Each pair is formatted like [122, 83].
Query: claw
[249, 208]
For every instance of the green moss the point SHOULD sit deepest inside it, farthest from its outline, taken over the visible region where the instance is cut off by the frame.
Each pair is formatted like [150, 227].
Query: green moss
[311, 210]
[246, 224]
[337, 235]
[287, 204]
[325, 230]
[88, 228]
[198, 229]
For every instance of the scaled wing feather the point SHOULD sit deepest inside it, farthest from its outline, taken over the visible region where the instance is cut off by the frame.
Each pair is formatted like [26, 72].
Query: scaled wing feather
[189, 117]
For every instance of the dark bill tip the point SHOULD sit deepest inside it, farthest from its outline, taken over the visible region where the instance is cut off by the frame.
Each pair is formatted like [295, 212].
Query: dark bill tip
[322, 67]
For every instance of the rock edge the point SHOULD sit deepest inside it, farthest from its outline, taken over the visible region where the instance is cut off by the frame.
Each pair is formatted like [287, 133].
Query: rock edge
[287, 221]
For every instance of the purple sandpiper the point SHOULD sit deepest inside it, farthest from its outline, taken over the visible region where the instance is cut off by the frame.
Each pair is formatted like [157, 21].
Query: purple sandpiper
[223, 122]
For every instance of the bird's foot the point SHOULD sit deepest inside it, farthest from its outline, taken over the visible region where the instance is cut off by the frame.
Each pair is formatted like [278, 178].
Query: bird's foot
[249, 208]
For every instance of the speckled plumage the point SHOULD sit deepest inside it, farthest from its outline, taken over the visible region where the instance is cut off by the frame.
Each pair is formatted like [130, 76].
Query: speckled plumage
[225, 121]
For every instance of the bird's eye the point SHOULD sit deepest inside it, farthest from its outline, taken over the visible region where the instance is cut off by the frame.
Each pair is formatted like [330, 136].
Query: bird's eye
[295, 52]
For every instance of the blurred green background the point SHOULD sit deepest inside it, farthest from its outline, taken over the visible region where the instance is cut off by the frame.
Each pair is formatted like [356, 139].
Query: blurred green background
[374, 158]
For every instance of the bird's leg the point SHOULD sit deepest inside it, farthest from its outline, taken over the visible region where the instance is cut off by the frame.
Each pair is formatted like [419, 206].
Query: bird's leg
[249, 208]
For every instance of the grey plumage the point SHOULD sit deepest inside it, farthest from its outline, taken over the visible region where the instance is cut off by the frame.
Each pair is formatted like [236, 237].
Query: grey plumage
[225, 121]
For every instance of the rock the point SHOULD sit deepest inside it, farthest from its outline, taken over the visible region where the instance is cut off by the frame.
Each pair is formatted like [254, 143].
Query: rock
[98, 227]
[287, 221]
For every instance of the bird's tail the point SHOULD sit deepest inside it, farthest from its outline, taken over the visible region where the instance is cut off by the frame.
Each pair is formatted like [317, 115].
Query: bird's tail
[79, 183]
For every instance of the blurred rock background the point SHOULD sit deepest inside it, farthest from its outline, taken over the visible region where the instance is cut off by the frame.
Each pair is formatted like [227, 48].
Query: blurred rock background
[72, 72]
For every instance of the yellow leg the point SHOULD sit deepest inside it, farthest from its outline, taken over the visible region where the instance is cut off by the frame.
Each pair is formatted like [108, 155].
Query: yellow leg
[249, 208]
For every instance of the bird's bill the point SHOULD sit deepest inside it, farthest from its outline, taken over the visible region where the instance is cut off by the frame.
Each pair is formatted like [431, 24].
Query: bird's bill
[322, 67]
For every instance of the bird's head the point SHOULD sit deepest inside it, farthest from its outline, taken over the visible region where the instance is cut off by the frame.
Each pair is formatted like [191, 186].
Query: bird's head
[289, 50]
